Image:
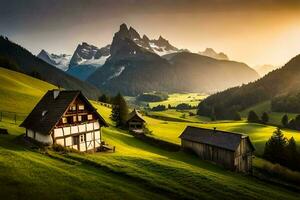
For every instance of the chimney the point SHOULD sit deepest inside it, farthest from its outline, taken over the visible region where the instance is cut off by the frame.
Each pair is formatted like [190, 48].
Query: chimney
[56, 93]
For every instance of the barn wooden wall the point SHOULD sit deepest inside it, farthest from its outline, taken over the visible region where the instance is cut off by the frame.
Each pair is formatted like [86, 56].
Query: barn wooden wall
[240, 160]
[220, 156]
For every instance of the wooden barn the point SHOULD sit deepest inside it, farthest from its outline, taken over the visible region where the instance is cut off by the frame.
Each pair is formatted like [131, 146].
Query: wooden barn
[66, 118]
[135, 122]
[230, 150]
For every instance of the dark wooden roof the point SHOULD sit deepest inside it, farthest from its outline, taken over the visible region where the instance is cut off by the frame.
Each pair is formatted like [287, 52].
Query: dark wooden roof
[136, 114]
[53, 109]
[221, 139]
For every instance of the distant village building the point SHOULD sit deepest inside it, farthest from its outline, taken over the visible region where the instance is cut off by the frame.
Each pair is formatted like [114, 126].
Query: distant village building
[231, 150]
[66, 118]
[135, 122]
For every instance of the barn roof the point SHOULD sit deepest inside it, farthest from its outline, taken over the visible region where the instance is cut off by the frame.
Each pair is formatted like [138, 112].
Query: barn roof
[49, 110]
[222, 139]
[133, 114]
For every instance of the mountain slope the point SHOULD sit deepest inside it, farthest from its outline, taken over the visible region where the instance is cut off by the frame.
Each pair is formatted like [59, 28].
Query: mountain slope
[198, 73]
[279, 82]
[132, 69]
[86, 59]
[59, 61]
[29, 64]
[265, 69]
[211, 53]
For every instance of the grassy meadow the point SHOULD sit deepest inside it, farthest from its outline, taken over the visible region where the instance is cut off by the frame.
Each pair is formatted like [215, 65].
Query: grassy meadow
[136, 170]
[274, 117]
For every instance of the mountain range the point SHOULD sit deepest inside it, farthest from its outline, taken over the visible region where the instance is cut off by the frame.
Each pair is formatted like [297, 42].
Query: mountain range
[134, 68]
[60, 61]
[134, 64]
[262, 70]
[87, 58]
[27, 63]
[213, 54]
[282, 82]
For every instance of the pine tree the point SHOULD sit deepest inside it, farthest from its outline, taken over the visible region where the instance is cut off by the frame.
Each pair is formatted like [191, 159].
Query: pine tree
[275, 148]
[252, 117]
[265, 118]
[285, 121]
[119, 111]
[103, 98]
[292, 154]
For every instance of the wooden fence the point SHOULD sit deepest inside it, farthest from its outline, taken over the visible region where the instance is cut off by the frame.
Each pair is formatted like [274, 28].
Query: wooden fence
[12, 117]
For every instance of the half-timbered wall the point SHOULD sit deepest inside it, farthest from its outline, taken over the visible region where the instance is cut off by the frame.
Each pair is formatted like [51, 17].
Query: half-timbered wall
[82, 137]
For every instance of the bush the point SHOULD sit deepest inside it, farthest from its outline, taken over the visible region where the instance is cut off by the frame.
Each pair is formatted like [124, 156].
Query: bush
[265, 118]
[62, 149]
[252, 117]
[285, 121]
[152, 97]
[282, 172]
[183, 106]
[159, 108]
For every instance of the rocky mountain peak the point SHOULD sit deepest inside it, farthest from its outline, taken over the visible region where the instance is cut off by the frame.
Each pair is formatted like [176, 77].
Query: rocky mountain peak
[210, 52]
[133, 34]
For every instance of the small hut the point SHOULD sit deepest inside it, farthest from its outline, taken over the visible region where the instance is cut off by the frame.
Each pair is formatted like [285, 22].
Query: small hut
[135, 122]
[231, 150]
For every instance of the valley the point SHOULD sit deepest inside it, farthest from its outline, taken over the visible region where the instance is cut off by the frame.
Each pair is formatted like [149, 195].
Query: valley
[136, 170]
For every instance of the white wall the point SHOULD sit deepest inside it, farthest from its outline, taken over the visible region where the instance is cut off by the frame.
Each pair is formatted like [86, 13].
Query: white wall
[46, 139]
[30, 133]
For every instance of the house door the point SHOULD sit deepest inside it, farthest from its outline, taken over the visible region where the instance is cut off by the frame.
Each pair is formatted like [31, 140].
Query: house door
[76, 142]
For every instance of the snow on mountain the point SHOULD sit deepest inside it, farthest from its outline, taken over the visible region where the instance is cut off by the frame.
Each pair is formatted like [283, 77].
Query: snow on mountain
[60, 61]
[160, 46]
[86, 54]
[117, 73]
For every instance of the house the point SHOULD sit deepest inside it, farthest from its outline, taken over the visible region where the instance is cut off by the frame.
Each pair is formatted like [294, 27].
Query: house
[66, 118]
[231, 150]
[135, 122]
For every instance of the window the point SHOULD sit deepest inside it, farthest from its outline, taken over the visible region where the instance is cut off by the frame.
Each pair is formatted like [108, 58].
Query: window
[81, 107]
[90, 117]
[72, 108]
[82, 138]
[74, 119]
[75, 140]
[64, 120]
[79, 118]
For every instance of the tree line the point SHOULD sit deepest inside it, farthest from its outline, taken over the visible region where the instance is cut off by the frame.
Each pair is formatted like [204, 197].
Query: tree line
[285, 121]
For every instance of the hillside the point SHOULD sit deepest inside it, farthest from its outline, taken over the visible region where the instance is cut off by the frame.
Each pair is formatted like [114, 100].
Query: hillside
[135, 171]
[133, 69]
[281, 82]
[29, 64]
[19, 92]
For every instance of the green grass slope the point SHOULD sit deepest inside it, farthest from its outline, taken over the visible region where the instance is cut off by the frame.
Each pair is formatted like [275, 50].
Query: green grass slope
[19, 92]
[135, 171]
[274, 117]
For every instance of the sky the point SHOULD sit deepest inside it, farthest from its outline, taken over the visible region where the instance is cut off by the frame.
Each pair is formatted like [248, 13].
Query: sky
[256, 32]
